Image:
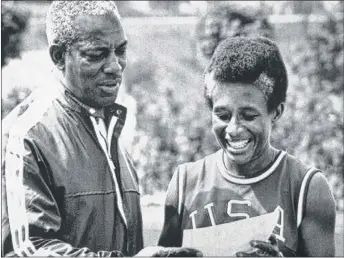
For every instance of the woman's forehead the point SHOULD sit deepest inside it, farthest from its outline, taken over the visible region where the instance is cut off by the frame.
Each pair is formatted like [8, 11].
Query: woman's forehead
[240, 95]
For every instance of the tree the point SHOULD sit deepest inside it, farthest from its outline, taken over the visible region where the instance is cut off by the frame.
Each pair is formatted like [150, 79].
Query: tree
[165, 7]
[312, 126]
[226, 20]
[13, 24]
[126, 9]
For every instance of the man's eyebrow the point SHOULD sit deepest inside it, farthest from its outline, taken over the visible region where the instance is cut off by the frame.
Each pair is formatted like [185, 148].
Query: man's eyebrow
[95, 45]
[123, 44]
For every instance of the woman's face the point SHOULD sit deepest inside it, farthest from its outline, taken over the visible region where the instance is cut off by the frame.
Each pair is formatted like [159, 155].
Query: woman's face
[241, 122]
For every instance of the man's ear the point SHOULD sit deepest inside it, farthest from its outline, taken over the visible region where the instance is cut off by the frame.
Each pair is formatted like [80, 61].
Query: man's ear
[57, 54]
[278, 112]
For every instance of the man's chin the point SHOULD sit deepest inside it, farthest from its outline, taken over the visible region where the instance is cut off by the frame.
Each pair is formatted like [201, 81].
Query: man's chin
[104, 102]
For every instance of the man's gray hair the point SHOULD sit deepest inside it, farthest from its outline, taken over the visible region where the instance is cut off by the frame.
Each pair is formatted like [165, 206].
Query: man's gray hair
[60, 18]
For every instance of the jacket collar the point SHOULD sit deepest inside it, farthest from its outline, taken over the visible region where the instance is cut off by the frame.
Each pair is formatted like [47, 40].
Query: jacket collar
[114, 109]
[106, 113]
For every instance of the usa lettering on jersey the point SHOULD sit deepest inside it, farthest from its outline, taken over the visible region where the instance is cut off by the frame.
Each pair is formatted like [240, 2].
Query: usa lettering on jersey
[236, 209]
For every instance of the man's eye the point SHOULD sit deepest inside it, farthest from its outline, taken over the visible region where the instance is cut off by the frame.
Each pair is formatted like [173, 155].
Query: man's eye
[223, 116]
[121, 51]
[95, 56]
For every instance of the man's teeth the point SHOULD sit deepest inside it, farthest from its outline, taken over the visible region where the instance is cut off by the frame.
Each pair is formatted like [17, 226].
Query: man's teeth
[238, 144]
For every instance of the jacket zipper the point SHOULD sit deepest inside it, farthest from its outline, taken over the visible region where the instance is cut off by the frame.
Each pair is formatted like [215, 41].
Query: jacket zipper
[105, 143]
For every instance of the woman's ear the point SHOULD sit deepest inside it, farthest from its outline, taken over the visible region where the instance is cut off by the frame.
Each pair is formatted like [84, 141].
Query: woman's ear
[57, 54]
[278, 112]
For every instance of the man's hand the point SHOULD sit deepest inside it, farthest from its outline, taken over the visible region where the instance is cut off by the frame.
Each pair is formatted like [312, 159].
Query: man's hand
[160, 251]
[263, 249]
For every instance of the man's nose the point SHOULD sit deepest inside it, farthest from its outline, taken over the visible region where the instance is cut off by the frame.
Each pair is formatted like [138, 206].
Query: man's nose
[234, 127]
[112, 64]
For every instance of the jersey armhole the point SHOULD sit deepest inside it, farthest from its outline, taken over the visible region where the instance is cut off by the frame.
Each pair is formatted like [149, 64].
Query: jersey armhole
[303, 194]
[181, 179]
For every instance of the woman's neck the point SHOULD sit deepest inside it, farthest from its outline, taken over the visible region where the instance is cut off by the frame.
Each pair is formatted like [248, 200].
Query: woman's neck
[254, 167]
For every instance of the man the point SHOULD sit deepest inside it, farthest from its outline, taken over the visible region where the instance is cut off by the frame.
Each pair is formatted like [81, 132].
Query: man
[245, 88]
[69, 188]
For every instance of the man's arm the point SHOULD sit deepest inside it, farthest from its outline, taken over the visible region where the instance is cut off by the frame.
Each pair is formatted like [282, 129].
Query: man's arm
[30, 214]
[172, 234]
[318, 223]
[43, 221]
[32, 229]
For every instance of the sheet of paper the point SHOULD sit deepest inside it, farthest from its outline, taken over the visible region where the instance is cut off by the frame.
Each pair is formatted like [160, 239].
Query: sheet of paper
[227, 239]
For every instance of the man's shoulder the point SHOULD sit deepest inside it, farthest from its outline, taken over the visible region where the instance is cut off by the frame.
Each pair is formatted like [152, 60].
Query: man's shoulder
[30, 112]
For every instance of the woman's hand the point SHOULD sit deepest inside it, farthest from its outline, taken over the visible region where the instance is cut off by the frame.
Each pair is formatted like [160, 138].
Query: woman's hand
[263, 249]
[160, 251]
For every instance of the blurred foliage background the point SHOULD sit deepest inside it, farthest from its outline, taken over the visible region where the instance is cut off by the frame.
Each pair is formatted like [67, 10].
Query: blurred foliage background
[170, 121]
[13, 24]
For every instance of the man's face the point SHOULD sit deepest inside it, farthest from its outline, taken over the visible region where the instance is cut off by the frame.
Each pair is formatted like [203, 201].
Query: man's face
[94, 65]
[241, 122]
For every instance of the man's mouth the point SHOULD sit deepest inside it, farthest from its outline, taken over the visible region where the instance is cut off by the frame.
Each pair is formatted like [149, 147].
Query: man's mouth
[109, 87]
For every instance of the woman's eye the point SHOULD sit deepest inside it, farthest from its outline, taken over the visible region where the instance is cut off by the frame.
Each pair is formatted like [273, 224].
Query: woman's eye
[248, 117]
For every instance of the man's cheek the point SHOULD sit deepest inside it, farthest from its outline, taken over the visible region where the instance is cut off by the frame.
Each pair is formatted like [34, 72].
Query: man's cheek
[89, 71]
[123, 63]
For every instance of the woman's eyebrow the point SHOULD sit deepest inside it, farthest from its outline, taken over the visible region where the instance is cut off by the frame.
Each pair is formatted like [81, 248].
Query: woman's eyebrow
[220, 108]
[249, 108]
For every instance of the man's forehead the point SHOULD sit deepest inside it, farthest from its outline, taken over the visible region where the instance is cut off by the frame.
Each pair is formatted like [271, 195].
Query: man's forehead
[87, 21]
[95, 28]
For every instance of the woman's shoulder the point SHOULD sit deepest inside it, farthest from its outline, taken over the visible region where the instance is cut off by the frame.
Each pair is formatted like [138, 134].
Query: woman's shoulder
[197, 164]
[299, 165]
[200, 168]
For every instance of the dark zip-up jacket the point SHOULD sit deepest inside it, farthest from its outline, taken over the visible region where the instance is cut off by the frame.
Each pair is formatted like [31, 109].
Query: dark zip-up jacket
[63, 194]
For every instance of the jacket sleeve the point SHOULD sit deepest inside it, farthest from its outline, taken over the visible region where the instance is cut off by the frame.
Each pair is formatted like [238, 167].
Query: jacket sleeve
[172, 233]
[30, 214]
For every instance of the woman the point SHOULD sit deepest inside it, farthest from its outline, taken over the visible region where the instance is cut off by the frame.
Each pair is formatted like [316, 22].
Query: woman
[245, 88]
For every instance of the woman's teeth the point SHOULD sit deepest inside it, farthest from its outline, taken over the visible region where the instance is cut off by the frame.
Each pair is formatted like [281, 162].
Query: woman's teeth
[238, 144]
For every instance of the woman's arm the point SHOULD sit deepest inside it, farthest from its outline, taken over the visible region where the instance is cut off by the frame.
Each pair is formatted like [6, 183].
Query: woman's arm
[318, 223]
[172, 234]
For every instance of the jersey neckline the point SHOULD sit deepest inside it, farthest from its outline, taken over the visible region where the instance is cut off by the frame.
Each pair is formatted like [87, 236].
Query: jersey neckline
[246, 181]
